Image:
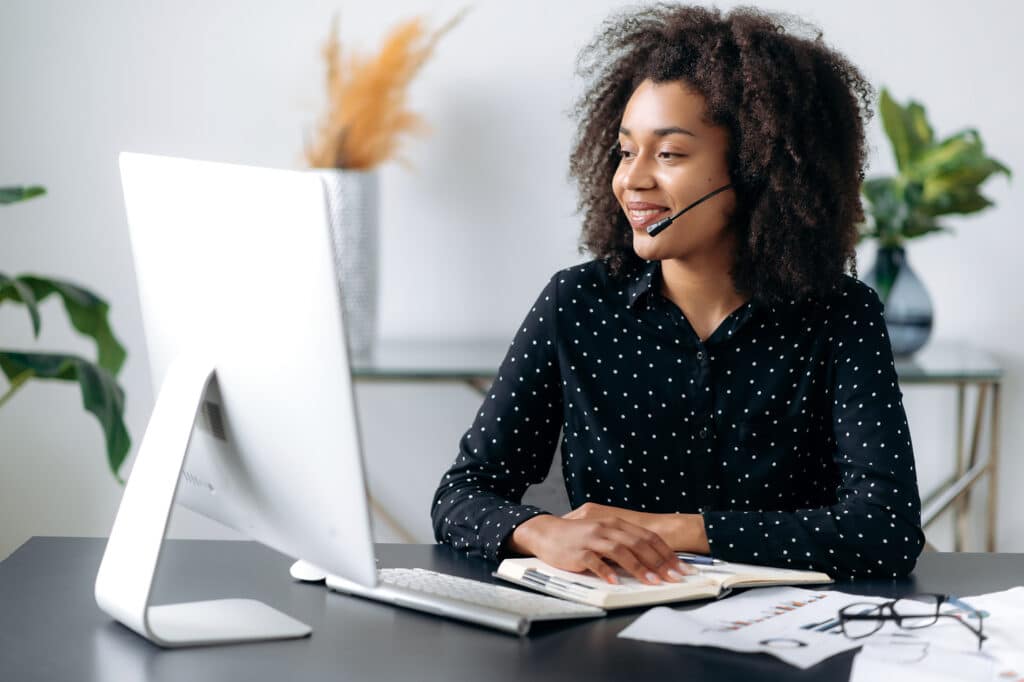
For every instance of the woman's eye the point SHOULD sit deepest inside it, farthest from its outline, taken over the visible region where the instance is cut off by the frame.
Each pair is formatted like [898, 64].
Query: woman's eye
[623, 153]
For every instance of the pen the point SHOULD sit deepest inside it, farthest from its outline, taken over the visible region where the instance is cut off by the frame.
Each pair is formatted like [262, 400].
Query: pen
[697, 559]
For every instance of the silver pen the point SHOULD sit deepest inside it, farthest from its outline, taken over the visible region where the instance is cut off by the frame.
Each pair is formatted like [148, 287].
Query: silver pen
[698, 559]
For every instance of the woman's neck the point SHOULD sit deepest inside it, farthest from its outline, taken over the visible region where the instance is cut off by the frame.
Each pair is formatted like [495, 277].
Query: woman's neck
[703, 289]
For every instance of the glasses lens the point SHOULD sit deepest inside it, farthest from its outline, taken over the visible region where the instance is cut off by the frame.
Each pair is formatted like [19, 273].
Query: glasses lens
[860, 619]
[896, 648]
[917, 611]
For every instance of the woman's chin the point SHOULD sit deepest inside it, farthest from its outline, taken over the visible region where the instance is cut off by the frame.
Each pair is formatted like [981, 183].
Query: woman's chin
[645, 247]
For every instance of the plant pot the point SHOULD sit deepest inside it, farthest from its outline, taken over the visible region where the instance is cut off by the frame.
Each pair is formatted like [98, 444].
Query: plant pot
[352, 198]
[908, 308]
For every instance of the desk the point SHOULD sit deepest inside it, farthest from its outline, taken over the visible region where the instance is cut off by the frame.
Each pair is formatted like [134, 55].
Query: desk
[52, 630]
[945, 365]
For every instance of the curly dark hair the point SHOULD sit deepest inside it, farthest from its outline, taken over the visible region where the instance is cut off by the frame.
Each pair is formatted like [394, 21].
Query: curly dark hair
[795, 111]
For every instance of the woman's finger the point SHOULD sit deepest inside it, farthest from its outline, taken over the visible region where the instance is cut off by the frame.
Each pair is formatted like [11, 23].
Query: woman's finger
[652, 552]
[615, 545]
[594, 563]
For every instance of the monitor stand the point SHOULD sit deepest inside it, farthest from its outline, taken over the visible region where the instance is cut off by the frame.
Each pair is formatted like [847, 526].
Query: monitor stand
[125, 578]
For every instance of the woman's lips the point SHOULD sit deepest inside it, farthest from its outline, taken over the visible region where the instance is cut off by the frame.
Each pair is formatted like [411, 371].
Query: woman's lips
[641, 219]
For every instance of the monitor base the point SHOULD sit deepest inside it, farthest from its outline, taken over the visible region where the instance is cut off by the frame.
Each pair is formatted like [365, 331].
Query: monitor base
[124, 581]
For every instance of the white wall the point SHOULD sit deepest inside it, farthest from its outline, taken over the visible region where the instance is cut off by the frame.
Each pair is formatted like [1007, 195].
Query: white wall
[468, 237]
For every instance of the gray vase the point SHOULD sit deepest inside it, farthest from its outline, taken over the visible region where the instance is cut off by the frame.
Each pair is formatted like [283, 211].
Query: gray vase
[909, 315]
[352, 198]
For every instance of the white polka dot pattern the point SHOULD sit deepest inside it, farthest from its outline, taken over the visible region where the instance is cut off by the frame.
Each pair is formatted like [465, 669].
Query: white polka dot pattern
[785, 428]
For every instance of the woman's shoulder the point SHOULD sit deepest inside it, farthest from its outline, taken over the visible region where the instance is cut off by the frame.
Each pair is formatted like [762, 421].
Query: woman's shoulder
[855, 297]
[849, 303]
[854, 310]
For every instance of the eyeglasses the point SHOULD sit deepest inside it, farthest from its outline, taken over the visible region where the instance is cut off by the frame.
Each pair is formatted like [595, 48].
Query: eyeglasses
[913, 612]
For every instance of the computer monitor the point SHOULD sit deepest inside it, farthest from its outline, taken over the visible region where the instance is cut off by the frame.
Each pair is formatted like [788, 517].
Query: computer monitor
[254, 423]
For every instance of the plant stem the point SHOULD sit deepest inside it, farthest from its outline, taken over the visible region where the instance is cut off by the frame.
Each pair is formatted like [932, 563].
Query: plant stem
[16, 383]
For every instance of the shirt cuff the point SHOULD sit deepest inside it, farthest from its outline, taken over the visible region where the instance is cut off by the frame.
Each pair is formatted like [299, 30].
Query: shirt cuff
[504, 522]
[743, 536]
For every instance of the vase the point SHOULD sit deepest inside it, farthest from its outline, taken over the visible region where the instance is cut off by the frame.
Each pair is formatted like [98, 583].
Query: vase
[352, 199]
[908, 308]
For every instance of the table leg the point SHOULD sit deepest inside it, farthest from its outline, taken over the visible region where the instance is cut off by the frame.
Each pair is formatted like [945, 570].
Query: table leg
[972, 453]
[479, 384]
[960, 508]
[993, 469]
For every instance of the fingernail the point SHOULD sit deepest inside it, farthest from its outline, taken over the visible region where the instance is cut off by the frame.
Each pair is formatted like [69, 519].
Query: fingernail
[674, 575]
[615, 579]
[685, 569]
[652, 578]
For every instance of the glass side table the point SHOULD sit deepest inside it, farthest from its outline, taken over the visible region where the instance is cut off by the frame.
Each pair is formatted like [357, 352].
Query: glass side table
[475, 363]
[962, 366]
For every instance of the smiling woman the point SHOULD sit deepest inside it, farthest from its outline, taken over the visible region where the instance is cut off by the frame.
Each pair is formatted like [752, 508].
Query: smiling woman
[743, 98]
[721, 385]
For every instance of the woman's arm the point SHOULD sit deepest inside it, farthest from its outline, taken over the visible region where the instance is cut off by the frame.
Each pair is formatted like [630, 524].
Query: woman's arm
[477, 507]
[874, 529]
[510, 444]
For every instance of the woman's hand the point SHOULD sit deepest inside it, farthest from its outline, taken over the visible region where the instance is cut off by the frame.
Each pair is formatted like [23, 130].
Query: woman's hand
[588, 544]
[593, 511]
[682, 532]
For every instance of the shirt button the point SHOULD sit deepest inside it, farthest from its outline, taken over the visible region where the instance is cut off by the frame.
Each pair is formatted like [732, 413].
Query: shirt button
[700, 355]
[704, 432]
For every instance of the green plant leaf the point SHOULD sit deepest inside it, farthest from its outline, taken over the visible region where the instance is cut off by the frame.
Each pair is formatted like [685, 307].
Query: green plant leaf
[951, 154]
[907, 129]
[920, 226]
[9, 195]
[88, 315]
[935, 178]
[19, 292]
[920, 130]
[101, 394]
[964, 199]
[887, 207]
[975, 170]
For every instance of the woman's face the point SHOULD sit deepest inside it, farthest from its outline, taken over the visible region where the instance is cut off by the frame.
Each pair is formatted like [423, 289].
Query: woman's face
[669, 159]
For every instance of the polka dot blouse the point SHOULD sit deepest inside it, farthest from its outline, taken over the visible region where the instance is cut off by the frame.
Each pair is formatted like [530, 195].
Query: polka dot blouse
[785, 429]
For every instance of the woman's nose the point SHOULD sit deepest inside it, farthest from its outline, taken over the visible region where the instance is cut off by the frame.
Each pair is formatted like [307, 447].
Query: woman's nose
[638, 175]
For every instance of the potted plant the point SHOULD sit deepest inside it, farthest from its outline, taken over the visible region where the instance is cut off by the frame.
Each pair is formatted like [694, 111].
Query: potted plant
[366, 115]
[101, 394]
[934, 178]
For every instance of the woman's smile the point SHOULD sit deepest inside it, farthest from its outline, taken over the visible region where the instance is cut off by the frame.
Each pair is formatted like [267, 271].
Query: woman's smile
[642, 214]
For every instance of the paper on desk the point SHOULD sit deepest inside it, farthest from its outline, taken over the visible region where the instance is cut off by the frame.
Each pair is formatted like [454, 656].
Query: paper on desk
[925, 663]
[949, 651]
[795, 625]
[1003, 626]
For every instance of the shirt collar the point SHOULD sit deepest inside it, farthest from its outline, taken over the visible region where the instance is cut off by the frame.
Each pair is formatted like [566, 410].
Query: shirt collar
[646, 280]
[643, 282]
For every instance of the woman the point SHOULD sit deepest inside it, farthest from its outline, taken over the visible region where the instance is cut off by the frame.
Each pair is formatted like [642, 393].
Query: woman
[722, 386]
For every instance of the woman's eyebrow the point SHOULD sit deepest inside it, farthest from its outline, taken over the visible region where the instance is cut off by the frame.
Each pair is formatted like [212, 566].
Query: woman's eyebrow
[661, 132]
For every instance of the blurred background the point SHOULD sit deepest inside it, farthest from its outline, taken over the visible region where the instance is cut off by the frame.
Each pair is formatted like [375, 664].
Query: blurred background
[468, 234]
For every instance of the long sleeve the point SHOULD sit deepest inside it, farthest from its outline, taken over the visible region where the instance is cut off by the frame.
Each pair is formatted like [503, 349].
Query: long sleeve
[510, 444]
[874, 528]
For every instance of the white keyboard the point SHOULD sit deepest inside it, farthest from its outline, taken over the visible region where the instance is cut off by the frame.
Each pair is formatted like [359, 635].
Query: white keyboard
[504, 608]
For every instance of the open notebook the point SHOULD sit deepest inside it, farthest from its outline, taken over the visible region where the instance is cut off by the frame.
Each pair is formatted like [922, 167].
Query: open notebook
[710, 582]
